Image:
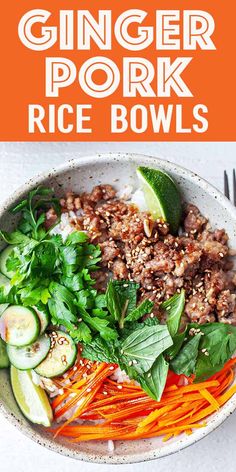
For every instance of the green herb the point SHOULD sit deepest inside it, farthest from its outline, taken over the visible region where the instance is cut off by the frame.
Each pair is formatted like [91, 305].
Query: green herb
[14, 238]
[217, 346]
[144, 345]
[178, 341]
[113, 301]
[185, 361]
[143, 309]
[99, 350]
[174, 308]
[54, 272]
[121, 300]
[33, 212]
[153, 381]
[205, 353]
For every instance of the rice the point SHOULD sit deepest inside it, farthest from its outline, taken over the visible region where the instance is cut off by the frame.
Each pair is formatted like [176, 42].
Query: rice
[138, 199]
[110, 446]
[125, 193]
[69, 413]
[120, 376]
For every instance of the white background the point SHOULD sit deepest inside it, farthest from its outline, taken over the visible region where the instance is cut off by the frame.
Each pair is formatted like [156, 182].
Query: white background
[19, 162]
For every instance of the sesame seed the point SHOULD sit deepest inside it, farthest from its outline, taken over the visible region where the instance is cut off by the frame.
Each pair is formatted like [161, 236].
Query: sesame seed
[89, 390]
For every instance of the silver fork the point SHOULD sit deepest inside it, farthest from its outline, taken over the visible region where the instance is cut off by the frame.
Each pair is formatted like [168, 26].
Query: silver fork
[227, 187]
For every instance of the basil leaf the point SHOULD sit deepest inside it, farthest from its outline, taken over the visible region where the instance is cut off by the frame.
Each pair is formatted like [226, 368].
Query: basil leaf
[174, 307]
[185, 361]
[217, 346]
[143, 309]
[204, 368]
[153, 381]
[144, 345]
[178, 341]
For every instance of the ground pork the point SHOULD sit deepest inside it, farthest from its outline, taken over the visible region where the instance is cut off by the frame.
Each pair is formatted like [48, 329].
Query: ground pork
[136, 247]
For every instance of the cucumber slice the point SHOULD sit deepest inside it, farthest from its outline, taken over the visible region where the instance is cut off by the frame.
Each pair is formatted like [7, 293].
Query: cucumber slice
[61, 356]
[28, 357]
[3, 259]
[32, 399]
[19, 325]
[4, 360]
[43, 317]
[5, 287]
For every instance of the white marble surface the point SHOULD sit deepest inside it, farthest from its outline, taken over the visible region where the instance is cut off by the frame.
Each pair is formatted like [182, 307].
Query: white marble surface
[20, 161]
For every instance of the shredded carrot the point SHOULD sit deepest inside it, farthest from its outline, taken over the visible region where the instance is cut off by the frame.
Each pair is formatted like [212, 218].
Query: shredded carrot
[126, 412]
[209, 397]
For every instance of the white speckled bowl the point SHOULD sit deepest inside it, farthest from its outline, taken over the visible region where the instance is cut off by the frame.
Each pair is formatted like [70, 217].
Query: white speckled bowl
[119, 169]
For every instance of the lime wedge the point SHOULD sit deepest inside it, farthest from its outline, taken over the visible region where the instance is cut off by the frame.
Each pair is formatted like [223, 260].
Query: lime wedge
[31, 398]
[162, 196]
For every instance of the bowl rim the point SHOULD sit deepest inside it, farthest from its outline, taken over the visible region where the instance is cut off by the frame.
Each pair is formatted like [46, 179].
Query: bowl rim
[223, 413]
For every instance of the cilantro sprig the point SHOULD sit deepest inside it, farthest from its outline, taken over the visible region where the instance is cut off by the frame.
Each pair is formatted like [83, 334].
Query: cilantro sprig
[54, 272]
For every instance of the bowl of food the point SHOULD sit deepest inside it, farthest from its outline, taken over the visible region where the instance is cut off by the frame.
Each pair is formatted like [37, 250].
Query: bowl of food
[117, 308]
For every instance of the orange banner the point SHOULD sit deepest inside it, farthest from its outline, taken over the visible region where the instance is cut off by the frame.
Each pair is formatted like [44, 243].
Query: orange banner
[118, 71]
